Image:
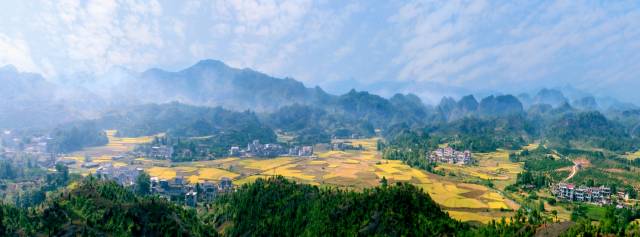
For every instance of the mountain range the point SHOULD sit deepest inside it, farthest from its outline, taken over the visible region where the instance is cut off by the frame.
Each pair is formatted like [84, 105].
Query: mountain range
[28, 99]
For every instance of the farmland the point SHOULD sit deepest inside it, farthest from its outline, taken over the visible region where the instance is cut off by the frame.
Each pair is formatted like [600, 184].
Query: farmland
[352, 169]
[493, 166]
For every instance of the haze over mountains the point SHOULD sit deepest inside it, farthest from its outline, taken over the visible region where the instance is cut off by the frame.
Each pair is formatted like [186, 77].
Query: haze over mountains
[29, 99]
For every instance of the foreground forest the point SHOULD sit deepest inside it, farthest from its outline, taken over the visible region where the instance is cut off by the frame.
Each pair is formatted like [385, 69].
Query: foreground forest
[273, 206]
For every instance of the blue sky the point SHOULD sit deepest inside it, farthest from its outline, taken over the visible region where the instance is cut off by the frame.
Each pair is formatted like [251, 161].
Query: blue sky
[430, 48]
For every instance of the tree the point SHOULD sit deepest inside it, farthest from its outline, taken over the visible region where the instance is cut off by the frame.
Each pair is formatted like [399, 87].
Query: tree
[555, 214]
[143, 184]
[63, 170]
[384, 182]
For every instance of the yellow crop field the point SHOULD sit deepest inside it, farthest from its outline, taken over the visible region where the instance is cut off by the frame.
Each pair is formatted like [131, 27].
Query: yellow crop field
[334, 154]
[290, 171]
[472, 216]
[633, 156]
[318, 162]
[494, 166]
[355, 170]
[531, 146]
[394, 172]
[119, 164]
[162, 172]
[342, 171]
[265, 164]
[214, 174]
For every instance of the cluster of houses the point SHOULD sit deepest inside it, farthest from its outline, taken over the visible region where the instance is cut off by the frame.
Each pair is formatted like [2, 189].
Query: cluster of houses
[597, 195]
[256, 149]
[14, 145]
[160, 152]
[177, 189]
[125, 175]
[451, 156]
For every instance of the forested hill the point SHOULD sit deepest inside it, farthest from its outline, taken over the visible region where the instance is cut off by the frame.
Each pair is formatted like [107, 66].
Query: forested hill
[102, 208]
[278, 207]
[213, 83]
[267, 207]
[273, 207]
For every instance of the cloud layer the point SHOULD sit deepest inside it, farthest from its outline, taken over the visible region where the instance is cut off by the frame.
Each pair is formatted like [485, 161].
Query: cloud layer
[431, 48]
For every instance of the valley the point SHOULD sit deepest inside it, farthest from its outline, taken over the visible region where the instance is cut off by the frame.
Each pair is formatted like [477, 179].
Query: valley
[350, 170]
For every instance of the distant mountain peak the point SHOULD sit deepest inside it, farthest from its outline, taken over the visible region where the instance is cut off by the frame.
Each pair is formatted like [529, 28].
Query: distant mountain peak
[550, 96]
[210, 63]
[9, 68]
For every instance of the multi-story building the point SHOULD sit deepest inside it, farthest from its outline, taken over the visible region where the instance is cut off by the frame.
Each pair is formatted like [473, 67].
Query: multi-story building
[256, 149]
[582, 193]
[451, 156]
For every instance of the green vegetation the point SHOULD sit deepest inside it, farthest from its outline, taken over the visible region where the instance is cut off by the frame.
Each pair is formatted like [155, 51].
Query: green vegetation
[280, 207]
[411, 148]
[75, 136]
[24, 184]
[98, 208]
[593, 129]
[212, 146]
[612, 221]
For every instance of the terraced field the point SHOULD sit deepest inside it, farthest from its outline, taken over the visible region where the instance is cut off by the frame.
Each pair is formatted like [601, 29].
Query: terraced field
[360, 169]
[356, 169]
[493, 166]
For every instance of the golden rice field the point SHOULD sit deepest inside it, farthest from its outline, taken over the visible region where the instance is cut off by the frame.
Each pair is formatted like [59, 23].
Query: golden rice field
[474, 216]
[361, 169]
[531, 146]
[346, 169]
[104, 154]
[192, 174]
[633, 156]
[494, 166]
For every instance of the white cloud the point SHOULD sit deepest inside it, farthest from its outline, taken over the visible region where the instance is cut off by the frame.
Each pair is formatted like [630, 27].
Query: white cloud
[485, 44]
[17, 53]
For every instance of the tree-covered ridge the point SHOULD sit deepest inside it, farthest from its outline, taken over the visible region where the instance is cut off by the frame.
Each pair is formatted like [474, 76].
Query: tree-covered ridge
[177, 119]
[278, 207]
[593, 129]
[99, 208]
[74, 136]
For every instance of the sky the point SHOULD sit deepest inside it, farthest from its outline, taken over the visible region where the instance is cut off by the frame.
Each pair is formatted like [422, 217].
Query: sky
[429, 48]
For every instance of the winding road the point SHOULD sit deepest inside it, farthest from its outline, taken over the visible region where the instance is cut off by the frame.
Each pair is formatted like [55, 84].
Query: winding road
[577, 165]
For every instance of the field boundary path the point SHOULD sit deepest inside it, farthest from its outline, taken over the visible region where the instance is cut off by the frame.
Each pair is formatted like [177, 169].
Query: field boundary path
[577, 165]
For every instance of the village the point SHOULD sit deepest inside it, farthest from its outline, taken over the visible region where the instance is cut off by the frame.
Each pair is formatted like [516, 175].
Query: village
[256, 149]
[450, 156]
[601, 195]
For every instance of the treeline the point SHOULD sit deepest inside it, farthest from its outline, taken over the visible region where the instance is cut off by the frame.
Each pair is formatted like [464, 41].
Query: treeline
[411, 148]
[272, 207]
[593, 129]
[615, 222]
[278, 207]
[102, 208]
[212, 146]
[74, 136]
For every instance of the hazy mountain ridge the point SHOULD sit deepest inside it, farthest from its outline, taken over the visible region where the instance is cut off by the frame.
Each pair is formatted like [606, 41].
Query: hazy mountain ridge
[213, 83]
[27, 99]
